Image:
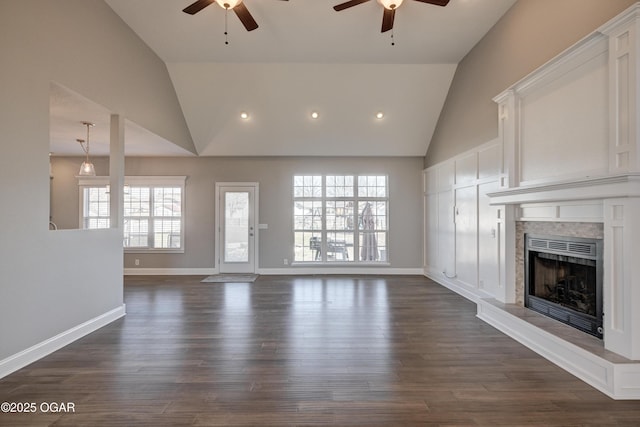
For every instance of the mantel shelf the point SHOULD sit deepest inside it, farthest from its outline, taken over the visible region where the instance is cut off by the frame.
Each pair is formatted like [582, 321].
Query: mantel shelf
[590, 188]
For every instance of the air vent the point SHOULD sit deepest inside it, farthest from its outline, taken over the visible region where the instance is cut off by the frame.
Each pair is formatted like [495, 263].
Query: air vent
[537, 243]
[559, 314]
[558, 246]
[561, 247]
[582, 248]
[579, 323]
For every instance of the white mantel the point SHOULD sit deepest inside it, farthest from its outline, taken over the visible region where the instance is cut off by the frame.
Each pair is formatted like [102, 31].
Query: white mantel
[589, 188]
[570, 138]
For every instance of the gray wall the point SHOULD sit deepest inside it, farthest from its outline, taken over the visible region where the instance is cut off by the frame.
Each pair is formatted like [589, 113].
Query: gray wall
[51, 282]
[531, 33]
[274, 174]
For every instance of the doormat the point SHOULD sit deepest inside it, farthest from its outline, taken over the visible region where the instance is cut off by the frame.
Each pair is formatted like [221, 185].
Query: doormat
[230, 278]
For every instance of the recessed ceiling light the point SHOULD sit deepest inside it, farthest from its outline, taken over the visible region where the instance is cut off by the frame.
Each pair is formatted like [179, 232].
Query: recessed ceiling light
[244, 115]
[314, 115]
[379, 115]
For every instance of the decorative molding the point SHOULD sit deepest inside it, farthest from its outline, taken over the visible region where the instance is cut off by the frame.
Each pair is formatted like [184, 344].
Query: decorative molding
[590, 188]
[616, 380]
[632, 13]
[46, 347]
[582, 211]
[170, 271]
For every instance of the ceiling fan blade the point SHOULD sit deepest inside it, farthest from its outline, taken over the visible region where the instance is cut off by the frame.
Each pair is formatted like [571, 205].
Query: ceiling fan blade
[245, 17]
[196, 7]
[347, 5]
[387, 19]
[435, 2]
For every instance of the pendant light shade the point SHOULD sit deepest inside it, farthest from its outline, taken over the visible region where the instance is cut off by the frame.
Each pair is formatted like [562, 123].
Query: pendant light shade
[86, 168]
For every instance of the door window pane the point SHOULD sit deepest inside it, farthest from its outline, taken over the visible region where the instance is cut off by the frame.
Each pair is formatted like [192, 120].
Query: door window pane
[236, 236]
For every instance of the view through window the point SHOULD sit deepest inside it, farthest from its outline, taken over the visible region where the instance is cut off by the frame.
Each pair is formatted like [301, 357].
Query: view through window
[340, 218]
[153, 214]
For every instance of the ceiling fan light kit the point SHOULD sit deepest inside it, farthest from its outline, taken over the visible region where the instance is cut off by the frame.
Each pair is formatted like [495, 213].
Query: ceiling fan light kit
[390, 4]
[237, 6]
[228, 4]
[389, 11]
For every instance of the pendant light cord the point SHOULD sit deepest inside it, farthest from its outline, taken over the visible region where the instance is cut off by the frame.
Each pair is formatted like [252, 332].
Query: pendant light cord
[87, 150]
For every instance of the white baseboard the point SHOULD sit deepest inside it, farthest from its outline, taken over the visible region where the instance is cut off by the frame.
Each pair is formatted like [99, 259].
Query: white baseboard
[455, 285]
[170, 271]
[42, 349]
[288, 271]
[616, 380]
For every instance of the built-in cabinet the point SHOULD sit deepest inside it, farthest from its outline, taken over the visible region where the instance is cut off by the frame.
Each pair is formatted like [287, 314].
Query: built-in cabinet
[462, 228]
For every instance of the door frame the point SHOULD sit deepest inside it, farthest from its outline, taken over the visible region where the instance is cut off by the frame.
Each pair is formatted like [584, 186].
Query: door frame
[217, 231]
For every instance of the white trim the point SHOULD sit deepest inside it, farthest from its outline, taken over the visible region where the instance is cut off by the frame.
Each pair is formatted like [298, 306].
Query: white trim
[323, 269]
[616, 380]
[470, 293]
[90, 181]
[170, 271]
[601, 187]
[48, 346]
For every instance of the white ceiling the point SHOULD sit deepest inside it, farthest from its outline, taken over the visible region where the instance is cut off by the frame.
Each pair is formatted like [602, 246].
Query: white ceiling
[67, 111]
[304, 57]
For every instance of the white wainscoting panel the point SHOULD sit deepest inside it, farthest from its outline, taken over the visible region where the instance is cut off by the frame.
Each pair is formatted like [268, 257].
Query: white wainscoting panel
[467, 168]
[565, 124]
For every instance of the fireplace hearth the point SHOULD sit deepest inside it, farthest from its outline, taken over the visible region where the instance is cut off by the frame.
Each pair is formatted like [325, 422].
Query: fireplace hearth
[563, 280]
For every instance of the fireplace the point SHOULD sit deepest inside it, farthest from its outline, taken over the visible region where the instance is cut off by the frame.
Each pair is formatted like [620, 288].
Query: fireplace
[563, 280]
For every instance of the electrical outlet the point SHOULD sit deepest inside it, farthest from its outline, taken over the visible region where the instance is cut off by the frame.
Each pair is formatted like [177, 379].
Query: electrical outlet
[137, 261]
[286, 261]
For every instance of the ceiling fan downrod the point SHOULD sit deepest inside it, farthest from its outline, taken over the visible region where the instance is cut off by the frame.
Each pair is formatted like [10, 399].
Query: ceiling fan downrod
[226, 31]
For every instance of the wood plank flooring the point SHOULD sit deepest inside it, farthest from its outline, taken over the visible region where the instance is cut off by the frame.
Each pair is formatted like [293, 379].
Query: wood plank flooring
[309, 350]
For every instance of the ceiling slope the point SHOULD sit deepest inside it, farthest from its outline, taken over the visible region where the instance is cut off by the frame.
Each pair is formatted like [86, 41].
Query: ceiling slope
[304, 57]
[280, 98]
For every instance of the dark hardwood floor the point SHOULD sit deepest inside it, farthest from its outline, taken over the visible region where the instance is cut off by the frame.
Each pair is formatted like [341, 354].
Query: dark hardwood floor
[310, 350]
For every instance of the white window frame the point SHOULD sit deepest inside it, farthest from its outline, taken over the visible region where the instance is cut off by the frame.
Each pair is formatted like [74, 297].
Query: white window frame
[324, 231]
[141, 181]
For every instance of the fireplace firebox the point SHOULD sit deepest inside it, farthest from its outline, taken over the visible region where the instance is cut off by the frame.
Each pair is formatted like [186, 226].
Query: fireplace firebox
[563, 280]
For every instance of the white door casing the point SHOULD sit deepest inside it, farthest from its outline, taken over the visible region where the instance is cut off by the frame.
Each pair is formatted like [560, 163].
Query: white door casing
[236, 227]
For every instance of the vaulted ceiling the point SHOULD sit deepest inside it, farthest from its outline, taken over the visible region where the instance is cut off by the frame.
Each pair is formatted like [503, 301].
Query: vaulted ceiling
[306, 57]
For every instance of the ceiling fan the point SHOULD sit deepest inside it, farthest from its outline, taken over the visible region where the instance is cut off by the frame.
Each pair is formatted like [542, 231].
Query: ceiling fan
[390, 7]
[236, 5]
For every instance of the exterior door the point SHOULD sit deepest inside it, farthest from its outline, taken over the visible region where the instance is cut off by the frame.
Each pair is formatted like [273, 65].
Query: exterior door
[237, 216]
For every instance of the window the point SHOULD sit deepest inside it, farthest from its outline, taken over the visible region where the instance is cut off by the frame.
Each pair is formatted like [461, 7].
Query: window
[340, 218]
[153, 208]
[95, 208]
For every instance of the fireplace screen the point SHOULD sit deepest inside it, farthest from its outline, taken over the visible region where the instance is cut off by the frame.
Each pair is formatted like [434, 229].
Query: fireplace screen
[568, 281]
[564, 280]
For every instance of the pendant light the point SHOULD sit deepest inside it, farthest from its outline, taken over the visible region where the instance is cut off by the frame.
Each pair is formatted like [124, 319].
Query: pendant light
[86, 168]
